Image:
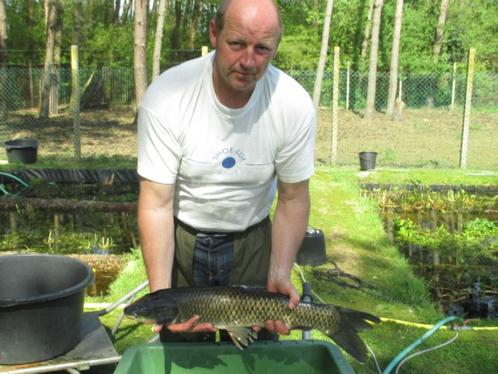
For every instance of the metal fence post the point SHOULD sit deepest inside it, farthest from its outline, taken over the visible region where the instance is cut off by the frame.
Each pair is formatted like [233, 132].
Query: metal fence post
[204, 50]
[400, 89]
[453, 88]
[75, 96]
[335, 105]
[348, 80]
[466, 111]
[31, 91]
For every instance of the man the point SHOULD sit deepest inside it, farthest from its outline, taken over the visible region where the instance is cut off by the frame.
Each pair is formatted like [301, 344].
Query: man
[214, 135]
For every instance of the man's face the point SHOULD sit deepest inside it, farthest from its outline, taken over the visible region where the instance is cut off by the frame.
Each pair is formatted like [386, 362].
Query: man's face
[244, 48]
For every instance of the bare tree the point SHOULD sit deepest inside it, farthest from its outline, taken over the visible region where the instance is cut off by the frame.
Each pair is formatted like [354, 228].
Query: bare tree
[140, 50]
[127, 9]
[51, 24]
[3, 60]
[368, 29]
[323, 53]
[438, 42]
[393, 79]
[156, 58]
[78, 14]
[372, 71]
[3, 34]
[117, 9]
[54, 86]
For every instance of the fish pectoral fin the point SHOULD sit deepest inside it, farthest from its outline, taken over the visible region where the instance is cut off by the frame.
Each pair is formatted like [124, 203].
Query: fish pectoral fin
[242, 336]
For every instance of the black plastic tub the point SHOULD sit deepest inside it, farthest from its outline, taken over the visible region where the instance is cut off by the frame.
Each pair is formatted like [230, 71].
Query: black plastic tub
[41, 306]
[22, 150]
[367, 160]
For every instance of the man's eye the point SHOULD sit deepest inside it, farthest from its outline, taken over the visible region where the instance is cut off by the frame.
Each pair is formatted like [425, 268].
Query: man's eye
[235, 44]
[263, 49]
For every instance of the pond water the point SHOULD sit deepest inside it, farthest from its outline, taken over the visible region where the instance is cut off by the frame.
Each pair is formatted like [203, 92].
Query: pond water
[70, 218]
[450, 239]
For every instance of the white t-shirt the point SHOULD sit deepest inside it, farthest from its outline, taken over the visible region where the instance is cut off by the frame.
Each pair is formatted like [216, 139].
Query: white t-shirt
[222, 160]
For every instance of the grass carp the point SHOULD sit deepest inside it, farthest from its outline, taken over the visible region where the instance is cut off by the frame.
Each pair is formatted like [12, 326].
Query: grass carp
[237, 308]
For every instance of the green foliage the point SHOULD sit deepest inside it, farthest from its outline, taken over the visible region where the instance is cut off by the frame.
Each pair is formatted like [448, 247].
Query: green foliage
[470, 23]
[109, 46]
[476, 244]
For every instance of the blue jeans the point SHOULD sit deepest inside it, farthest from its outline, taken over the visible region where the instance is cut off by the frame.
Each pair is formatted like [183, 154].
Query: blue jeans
[213, 258]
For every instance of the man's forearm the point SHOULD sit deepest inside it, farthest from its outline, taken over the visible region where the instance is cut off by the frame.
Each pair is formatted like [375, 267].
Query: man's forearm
[157, 243]
[156, 228]
[288, 229]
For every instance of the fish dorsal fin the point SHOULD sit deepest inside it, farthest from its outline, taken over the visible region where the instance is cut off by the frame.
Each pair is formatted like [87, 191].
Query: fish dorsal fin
[242, 336]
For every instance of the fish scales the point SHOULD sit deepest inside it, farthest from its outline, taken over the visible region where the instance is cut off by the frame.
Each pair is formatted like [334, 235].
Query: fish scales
[242, 307]
[238, 308]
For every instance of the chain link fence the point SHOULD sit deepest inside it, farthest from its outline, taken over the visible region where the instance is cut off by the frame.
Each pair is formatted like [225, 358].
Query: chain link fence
[427, 132]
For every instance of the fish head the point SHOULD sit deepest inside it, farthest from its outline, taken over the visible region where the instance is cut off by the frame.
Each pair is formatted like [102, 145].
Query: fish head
[156, 307]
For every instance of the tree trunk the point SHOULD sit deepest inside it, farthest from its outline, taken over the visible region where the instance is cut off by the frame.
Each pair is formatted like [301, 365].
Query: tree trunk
[194, 23]
[156, 59]
[76, 38]
[323, 54]
[117, 9]
[3, 61]
[55, 81]
[393, 78]
[372, 71]
[140, 50]
[438, 42]
[175, 35]
[368, 29]
[3, 34]
[51, 21]
[314, 21]
[126, 11]
[78, 13]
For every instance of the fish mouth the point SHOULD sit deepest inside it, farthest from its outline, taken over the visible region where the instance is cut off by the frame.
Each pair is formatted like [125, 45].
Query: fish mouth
[141, 319]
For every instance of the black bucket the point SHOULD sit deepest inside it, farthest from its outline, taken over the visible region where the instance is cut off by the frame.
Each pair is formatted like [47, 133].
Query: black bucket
[22, 150]
[41, 306]
[312, 250]
[367, 160]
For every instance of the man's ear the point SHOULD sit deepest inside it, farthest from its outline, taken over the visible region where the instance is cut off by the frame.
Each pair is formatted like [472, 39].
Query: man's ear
[212, 33]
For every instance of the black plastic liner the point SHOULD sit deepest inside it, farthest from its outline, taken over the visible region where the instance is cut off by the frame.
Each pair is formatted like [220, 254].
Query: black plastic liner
[101, 176]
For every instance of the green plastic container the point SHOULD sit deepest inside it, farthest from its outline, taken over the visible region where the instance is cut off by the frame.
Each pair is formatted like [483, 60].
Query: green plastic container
[283, 357]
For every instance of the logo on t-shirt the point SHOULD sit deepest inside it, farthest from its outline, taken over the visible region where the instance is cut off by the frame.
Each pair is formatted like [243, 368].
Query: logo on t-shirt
[228, 162]
[229, 156]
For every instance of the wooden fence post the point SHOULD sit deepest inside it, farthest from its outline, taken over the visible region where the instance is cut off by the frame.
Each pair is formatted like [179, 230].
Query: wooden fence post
[466, 111]
[204, 50]
[335, 105]
[75, 94]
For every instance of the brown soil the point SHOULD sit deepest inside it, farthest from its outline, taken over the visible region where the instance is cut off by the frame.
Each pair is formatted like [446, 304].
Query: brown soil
[423, 137]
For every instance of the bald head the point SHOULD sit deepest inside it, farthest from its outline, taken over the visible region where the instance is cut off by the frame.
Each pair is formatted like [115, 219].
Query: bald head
[267, 7]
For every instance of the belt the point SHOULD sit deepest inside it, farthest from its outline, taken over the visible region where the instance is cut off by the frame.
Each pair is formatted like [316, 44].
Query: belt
[191, 230]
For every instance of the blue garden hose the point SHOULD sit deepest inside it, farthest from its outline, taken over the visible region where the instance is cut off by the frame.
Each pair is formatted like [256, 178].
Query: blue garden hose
[20, 181]
[412, 346]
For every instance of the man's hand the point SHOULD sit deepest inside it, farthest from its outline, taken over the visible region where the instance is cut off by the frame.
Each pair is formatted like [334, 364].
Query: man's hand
[188, 326]
[284, 288]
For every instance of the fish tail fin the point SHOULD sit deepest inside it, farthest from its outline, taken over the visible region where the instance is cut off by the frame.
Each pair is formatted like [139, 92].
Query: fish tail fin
[346, 334]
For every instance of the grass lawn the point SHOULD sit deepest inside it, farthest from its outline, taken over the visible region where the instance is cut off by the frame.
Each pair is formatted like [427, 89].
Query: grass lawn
[357, 243]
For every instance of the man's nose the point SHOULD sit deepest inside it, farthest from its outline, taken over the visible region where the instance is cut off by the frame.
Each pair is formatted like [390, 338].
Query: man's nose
[247, 59]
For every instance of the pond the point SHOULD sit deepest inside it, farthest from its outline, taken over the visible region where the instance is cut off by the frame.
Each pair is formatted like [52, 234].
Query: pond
[80, 215]
[90, 215]
[450, 237]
